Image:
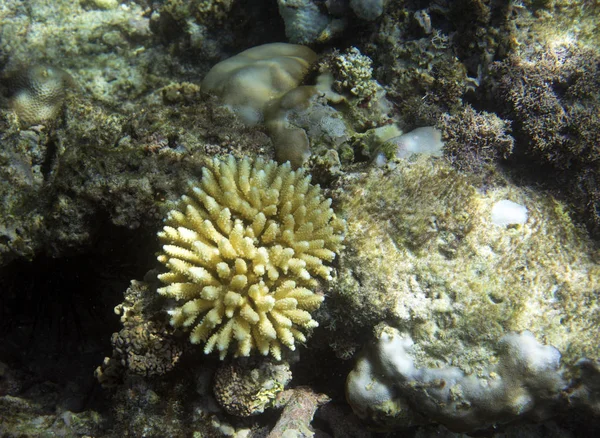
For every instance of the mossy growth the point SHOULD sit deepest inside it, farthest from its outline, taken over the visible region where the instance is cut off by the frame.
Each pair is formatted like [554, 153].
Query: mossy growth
[475, 141]
[414, 192]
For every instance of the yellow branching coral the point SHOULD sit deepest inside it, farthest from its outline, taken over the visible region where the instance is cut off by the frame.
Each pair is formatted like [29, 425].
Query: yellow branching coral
[245, 250]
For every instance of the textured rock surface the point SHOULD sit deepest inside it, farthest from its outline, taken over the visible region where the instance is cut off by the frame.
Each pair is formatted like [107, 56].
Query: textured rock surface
[144, 346]
[423, 253]
[94, 44]
[388, 388]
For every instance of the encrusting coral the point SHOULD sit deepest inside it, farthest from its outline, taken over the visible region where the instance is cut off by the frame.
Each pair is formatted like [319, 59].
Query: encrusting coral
[263, 84]
[254, 79]
[244, 251]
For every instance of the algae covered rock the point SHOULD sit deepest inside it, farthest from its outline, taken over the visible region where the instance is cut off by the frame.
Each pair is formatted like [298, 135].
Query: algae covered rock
[552, 97]
[305, 116]
[97, 43]
[423, 254]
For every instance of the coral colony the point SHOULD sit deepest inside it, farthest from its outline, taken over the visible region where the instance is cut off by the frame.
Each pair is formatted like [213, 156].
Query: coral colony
[244, 251]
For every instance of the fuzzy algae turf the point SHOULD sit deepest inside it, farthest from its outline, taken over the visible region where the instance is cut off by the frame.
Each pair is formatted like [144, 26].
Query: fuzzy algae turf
[245, 251]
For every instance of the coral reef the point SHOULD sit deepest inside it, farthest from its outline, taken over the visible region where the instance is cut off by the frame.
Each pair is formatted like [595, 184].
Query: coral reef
[142, 347]
[304, 22]
[23, 417]
[475, 141]
[200, 33]
[540, 21]
[425, 140]
[263, 84]
[250, 81]
[99, 163]
[244, 251]
[106, 50]
[551, 95]
[353, 73]
[368, 9]
[417, 63]
[310, 21]
[387, 385]
[300, 405]
[410, 226]
[347, 113]
[320, 120]
[204, 12]
[22, 166]
[446, 265]
[365, 103]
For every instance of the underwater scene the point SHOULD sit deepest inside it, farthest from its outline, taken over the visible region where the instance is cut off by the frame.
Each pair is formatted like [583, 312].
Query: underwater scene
[300, 218]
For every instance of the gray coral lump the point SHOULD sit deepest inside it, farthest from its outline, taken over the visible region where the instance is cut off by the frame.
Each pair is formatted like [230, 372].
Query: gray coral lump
[245, 250]
[526, 381]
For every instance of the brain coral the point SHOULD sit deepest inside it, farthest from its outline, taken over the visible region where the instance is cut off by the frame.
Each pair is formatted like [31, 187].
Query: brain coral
[245, 250]
[38, 92]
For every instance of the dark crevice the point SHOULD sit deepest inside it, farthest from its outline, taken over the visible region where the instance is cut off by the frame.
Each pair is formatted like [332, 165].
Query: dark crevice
[49, 158]
[57, 314]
